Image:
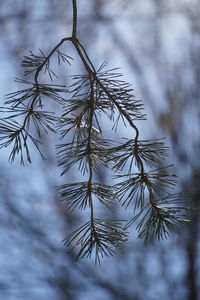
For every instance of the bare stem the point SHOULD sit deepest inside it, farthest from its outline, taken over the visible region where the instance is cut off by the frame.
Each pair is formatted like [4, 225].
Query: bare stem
[74, 29]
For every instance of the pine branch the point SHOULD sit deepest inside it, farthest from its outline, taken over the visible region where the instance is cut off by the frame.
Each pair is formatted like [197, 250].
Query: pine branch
[100, 239]
[159, 221]
[77, 194]
[143, 182]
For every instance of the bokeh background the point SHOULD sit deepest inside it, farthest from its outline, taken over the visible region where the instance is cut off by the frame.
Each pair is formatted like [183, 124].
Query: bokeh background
[157, 45]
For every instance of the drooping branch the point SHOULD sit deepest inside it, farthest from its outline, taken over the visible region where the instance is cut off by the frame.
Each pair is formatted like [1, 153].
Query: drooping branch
[145, 187]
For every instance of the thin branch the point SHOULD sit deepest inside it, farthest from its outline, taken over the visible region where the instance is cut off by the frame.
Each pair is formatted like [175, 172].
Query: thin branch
[74, 29]
[37, 91]
[126, 115]
[89, 157]
[83, 56]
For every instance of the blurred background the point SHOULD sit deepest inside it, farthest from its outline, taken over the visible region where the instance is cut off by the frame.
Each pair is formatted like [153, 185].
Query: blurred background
[157, 45]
